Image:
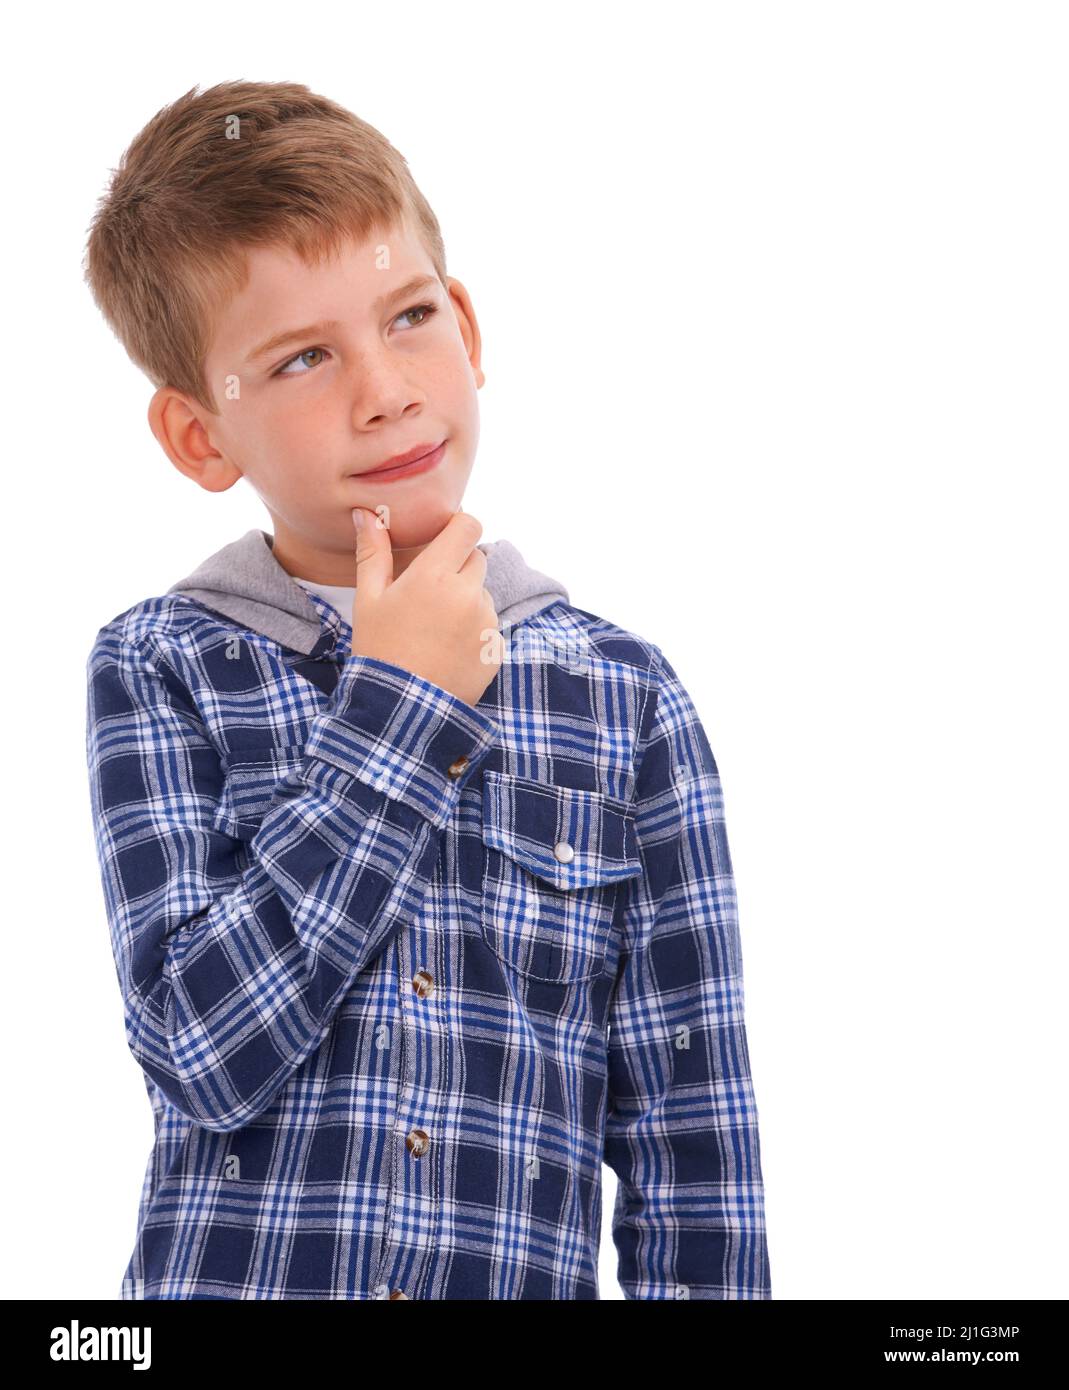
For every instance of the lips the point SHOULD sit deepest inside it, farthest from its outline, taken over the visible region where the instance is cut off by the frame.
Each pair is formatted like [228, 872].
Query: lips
[420, 454]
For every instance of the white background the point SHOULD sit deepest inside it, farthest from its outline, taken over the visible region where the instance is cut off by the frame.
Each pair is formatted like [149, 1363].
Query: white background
[774, 311]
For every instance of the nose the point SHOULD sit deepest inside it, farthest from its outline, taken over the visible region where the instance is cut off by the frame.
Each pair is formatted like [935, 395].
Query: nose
[382, 390]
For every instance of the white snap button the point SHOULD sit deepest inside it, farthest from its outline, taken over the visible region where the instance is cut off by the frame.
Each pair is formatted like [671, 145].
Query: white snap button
[564, 852]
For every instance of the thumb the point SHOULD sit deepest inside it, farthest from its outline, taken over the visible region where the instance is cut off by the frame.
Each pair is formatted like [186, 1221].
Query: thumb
[374, 555]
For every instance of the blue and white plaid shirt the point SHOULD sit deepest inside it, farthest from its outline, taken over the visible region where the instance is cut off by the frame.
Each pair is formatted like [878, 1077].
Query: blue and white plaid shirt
[401, 972]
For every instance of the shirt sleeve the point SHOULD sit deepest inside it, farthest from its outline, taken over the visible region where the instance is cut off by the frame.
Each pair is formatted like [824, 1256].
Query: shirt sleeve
[233, 956]
[681, 1123]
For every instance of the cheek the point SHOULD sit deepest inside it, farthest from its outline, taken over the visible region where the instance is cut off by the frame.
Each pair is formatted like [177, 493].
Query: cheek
[461, 464]
[451, 372]
[294, 422]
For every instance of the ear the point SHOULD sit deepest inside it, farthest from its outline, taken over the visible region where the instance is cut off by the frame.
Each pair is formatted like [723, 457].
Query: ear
[176, 421]
[469, 325]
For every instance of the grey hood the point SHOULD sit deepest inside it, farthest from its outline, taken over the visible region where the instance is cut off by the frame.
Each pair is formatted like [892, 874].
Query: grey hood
[245, 582]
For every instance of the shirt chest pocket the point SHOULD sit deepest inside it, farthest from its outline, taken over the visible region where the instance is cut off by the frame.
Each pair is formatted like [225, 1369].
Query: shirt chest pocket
[554, 862]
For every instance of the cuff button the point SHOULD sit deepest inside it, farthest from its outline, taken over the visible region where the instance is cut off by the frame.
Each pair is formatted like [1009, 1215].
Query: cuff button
[456, 768]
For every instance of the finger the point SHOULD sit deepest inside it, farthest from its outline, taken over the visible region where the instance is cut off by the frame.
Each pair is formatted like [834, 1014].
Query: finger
[453, 544]
[474, 568]
[374, 555]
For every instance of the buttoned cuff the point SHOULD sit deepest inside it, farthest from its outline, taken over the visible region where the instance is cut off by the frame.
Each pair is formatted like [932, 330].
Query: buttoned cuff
[401, 734]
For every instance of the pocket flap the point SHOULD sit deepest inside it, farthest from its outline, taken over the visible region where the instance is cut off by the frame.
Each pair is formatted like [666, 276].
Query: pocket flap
[528, 820]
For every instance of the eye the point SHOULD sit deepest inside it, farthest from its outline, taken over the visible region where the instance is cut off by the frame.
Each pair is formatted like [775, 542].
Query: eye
[426, 310]
[307, 352]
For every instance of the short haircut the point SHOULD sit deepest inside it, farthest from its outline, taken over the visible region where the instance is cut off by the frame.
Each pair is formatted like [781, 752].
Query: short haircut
[239, 165]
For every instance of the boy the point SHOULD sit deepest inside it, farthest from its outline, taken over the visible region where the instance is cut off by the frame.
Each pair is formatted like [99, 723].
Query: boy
[416, 874]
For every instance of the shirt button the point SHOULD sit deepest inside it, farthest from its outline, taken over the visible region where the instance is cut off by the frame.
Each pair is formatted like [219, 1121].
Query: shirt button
[564, 852]
[398, 1294]
[423, 983]
[417, 1142]
[456, 768]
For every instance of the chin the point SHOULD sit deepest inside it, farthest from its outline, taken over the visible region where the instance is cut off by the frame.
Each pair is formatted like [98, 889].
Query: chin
[415, 520]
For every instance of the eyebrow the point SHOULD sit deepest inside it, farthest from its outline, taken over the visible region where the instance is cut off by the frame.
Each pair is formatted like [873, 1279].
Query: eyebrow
[416, 285]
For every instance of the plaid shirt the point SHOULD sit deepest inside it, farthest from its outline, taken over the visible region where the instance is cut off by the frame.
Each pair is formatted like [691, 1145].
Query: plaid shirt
[401, 972]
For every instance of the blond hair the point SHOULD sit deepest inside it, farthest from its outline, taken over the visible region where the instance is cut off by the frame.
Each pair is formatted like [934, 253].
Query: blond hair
[167, 245]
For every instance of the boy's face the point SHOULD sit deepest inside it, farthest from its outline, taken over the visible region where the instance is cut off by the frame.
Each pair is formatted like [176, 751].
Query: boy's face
[304, 420]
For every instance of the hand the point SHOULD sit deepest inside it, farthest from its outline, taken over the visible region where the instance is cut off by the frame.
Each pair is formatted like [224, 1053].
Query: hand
[430, 621]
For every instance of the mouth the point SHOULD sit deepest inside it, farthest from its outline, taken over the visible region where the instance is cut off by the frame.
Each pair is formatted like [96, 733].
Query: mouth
[421, 459]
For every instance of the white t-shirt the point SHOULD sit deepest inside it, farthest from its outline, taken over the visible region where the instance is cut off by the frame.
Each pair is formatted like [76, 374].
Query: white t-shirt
[339, 596]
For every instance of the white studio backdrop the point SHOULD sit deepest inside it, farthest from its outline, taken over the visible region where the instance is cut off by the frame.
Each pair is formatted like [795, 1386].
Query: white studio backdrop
[773, 300]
